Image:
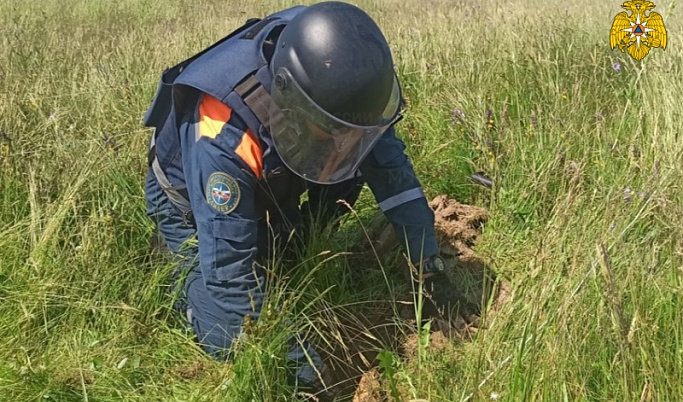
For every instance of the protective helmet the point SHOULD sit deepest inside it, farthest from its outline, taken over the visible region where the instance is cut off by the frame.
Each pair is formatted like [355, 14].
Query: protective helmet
[334, 91]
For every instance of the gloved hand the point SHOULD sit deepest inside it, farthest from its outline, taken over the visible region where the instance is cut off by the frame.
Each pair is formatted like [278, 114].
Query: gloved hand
[447, 300]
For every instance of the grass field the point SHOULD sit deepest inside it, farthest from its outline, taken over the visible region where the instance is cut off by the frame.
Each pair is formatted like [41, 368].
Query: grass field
[584, 144]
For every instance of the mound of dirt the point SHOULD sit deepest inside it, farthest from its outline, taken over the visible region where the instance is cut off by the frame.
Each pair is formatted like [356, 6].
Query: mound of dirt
[458, 228]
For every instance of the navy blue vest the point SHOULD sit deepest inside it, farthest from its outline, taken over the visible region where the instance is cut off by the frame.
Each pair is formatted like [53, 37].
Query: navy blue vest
[216, 71]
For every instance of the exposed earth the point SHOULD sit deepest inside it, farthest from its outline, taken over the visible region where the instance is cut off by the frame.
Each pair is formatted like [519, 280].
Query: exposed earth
[353, 365]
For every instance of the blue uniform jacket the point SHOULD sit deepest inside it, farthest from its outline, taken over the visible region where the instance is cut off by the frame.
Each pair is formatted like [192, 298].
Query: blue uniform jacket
[228, 235]
[235, 181]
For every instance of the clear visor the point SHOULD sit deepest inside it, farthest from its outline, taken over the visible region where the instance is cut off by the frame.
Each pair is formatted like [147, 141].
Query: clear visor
[316, 145]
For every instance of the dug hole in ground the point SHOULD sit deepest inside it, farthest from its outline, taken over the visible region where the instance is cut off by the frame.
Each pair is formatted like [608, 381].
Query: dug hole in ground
[353, 363]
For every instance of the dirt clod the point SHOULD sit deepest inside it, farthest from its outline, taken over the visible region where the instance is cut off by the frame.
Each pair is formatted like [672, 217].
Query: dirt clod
[369, 388]
[458, 226]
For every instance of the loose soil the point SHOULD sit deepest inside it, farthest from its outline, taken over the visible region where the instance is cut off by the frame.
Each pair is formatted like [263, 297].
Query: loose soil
[352, 364]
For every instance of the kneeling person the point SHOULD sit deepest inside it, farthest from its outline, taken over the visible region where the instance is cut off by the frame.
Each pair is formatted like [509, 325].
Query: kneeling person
[303, 100]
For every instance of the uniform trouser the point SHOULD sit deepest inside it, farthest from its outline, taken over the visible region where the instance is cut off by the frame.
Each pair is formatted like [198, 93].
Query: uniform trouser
[210, 323]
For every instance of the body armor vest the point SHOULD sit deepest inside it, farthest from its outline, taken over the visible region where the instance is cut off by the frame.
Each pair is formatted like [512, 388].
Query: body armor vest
[235, 71]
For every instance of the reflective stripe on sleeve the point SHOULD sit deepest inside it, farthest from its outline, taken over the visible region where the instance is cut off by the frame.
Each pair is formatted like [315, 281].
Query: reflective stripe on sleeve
[401, 198]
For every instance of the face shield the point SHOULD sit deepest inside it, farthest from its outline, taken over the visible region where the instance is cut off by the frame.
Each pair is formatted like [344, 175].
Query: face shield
[316, 145]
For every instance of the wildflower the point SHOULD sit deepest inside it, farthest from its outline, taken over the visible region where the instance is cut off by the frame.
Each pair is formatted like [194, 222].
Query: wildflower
[612, 226]
[627, 194]
[494, 396]
[458, 116]
[489, 119]
[616, 66]
[534, 121]
[598, 117]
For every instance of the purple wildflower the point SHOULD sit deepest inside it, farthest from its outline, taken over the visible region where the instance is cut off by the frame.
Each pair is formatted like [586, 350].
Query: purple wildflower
[627, 194]
[534, 121]
[598, 117]
[616, 66]
[489, 114]
[458, 116]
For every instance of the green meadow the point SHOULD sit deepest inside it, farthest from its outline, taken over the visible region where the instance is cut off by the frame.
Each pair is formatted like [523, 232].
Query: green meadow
[584, 144]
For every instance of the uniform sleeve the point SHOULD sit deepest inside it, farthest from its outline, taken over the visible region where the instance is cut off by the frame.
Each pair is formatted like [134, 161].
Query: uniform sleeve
[398, 192]
[221, 177]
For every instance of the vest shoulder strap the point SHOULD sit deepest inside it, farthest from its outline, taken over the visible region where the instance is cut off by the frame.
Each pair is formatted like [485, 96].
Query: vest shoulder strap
[158, 112]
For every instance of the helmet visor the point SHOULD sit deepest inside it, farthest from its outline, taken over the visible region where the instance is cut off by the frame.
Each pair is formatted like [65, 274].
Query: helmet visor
[316, 145]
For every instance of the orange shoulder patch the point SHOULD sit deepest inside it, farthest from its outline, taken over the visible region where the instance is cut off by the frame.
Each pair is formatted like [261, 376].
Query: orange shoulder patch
[250, 151]
[213, 114]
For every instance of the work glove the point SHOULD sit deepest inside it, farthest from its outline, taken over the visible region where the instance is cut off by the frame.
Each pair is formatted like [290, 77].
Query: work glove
[446, 300]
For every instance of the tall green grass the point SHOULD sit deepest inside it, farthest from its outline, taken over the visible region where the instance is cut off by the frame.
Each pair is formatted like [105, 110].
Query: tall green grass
[586, 212]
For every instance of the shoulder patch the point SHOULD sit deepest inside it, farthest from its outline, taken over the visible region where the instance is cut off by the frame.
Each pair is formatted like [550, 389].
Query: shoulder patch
[222, 192]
